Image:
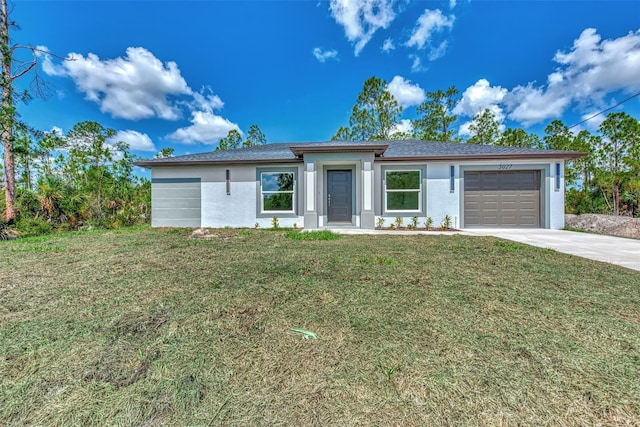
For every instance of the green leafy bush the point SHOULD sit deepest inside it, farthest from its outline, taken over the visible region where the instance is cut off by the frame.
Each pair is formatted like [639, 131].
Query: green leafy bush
[34, 227]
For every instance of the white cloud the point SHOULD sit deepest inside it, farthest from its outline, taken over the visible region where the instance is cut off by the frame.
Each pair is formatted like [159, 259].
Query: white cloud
[140, 86]
[439, 51]
[529, 104]
[136, 140]
[406, 93]
[589, 72]
[362, 18]
[405, 126]
[452, 3]
[479, 97]
[133, 87]
[388, 45]
[429, 23]
[323, 56]
[206, 128]
[417, 64]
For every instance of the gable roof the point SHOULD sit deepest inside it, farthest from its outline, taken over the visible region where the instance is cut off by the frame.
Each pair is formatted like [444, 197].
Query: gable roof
[286, 152]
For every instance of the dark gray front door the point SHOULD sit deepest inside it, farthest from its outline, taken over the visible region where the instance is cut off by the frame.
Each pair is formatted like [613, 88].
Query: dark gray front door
[339, 195]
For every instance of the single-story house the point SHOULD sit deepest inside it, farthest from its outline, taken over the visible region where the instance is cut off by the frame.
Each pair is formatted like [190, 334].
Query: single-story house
[353, 184]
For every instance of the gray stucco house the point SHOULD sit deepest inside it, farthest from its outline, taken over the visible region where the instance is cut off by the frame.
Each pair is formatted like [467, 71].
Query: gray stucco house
[352, 184]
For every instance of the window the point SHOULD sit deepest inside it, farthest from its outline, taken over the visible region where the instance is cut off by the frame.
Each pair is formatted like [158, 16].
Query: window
[557, 177]
[403, 190]
[277, 192]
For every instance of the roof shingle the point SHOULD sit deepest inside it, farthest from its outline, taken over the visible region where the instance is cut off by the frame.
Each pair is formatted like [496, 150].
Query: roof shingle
[396, 150]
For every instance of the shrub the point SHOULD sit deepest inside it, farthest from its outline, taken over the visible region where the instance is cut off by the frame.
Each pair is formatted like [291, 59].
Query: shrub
[398, 222]
[428, 224]
[34, 227]
[380, 222]
[446, 222]
[275, 224]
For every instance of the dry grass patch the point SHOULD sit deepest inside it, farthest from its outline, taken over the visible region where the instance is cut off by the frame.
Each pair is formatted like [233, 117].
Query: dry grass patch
[150, 327]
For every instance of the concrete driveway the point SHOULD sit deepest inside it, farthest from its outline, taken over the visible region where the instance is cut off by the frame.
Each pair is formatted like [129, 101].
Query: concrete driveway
[614, 250]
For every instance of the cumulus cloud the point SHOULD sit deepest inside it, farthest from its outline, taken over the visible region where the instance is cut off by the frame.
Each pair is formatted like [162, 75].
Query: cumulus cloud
[406, 93]
[404, 127]
[323, 56]
[388, 45]
[529, 104]
[362, 18]
[140, 86]
[206, 127]
[590, 71]
[586, 76]
[479, 97]
[429, 23]
[136, 140]
[133, 87]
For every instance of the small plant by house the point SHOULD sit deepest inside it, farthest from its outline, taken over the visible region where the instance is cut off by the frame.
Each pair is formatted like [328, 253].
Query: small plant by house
[379, 222]
[398, 222]
[428, 224]
[414, 222]
[275, 224]
[446, 223]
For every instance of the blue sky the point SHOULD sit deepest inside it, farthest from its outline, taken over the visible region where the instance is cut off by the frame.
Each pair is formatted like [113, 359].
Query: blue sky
[182, 74]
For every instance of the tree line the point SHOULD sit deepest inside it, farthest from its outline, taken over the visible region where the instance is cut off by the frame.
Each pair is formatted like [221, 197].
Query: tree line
[83, 179]
[606, 180]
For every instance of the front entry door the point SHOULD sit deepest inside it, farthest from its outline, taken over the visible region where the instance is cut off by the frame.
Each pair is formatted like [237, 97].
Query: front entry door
[339, 195]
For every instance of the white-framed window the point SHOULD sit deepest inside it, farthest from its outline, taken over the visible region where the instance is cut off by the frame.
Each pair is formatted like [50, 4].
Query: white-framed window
[403, 190]
[277, 192]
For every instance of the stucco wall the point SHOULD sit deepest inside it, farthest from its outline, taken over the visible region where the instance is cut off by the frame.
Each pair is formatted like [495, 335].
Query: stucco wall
[240, 207]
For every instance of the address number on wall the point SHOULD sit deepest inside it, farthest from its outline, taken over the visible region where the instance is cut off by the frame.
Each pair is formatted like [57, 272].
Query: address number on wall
[505, 167]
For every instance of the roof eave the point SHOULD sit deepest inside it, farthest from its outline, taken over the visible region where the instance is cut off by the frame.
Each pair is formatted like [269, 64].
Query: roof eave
[235, 162]
[569, 155]
[301, 149]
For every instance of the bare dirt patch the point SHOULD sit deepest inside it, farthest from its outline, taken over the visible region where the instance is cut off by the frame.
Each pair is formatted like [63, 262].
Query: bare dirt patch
[620, 226]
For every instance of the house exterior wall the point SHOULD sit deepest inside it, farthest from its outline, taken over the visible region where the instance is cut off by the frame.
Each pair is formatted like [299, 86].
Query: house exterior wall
[241, 207]
[440, 200]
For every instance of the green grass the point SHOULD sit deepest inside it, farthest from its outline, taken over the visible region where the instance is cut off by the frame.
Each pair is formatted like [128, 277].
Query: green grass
[149, 327]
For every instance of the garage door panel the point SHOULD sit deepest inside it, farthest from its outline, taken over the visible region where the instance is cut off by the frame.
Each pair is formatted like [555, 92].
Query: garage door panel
[502, 199]
[175, 202]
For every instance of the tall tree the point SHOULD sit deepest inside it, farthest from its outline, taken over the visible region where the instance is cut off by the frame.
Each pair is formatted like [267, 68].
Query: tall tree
[518, 138]
[12, 69]
[616, 154]
[165, 153]
[437, 116]
[559, 137]
[343, 134]
[485, 128]
[90, 153]
[254, 137]
[374, 114]
[231, 141]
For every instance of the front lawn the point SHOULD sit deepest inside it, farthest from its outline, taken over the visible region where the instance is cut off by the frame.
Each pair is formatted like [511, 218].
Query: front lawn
[149, 327]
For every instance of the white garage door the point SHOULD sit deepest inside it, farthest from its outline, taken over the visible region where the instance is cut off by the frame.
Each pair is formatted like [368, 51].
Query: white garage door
[175, 202]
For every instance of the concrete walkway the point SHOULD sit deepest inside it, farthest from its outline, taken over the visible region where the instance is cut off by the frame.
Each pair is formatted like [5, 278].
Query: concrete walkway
[613, 250]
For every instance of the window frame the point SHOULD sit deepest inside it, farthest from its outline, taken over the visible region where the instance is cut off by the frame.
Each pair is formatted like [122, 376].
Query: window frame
[261, 192]
[418, 190]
